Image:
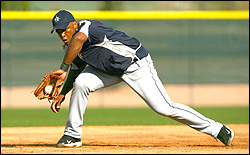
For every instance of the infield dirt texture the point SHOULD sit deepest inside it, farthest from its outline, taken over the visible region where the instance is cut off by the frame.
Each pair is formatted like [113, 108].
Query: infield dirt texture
[149, 139]
[159, 139]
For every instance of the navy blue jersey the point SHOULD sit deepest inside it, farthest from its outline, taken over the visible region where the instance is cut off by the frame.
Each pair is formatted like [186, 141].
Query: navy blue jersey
[106, 49]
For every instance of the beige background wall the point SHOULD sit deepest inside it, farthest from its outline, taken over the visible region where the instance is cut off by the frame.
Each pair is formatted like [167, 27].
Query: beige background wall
[123, 96]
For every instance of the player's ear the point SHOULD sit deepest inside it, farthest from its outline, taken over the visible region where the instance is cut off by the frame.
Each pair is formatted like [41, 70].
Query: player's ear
[75, 25]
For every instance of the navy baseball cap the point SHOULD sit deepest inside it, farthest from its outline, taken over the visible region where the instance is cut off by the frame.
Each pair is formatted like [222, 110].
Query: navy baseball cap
[61, 20]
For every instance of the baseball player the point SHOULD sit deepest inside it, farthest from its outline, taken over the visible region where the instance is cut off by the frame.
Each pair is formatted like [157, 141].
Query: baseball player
[97, 56]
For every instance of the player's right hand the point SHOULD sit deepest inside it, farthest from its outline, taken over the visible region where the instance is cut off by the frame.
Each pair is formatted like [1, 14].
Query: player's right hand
[60, 72]
[56, 103]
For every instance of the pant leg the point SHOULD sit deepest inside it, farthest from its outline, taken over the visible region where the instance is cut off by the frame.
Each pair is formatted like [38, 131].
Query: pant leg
[143, 79]
[89, 80]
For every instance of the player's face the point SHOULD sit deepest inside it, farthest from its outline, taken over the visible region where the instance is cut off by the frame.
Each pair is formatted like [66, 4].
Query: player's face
[66, 34]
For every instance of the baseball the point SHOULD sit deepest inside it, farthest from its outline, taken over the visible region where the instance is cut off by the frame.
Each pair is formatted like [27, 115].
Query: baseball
[48, 89]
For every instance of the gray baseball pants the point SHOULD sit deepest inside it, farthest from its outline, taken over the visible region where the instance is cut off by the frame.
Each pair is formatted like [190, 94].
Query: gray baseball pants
[142, 77]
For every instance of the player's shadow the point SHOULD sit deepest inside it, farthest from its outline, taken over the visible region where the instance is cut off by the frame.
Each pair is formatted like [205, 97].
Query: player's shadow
[205, 145]
[125, 145]
[54, 145]
[35, 145]
[106, 145]
[94, 145]
[148, 146]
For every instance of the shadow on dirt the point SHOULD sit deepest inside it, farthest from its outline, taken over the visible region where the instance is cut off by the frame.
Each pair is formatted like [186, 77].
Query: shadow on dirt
[35, 145]
[104, 145]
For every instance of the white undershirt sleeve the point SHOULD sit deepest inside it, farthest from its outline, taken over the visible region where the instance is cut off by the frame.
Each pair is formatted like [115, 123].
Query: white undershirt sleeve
[85, 28]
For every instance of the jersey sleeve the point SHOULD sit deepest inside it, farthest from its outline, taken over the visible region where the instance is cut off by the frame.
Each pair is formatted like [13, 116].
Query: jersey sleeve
[92, 30]
[84, 27]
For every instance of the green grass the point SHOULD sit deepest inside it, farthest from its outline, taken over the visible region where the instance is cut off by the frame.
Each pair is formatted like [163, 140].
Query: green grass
[116, 116]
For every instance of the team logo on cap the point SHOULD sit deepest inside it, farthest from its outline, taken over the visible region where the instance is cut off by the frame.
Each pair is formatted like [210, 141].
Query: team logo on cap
[57, 19]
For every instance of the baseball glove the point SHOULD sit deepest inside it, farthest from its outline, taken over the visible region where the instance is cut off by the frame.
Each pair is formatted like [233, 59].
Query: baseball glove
[53, 80]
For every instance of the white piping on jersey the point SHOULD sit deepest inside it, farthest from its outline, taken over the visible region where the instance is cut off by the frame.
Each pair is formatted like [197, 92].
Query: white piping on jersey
[118, 48]
[135, 53]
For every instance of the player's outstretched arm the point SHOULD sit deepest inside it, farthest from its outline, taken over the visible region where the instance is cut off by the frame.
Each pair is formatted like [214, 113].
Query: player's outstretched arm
[74, 48]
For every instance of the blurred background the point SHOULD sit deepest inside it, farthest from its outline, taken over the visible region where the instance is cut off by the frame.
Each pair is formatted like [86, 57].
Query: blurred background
[201, 62]
[125, 5]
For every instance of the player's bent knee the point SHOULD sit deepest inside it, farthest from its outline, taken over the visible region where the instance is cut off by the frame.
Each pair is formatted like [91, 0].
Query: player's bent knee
[81, 84]
[85, 84]
[164, 110]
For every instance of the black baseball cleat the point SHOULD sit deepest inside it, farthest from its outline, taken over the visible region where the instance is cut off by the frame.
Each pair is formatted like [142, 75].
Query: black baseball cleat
[226, 135]
[69, 141]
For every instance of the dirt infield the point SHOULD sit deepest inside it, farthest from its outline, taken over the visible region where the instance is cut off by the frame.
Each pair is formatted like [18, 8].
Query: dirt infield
[162, 139]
